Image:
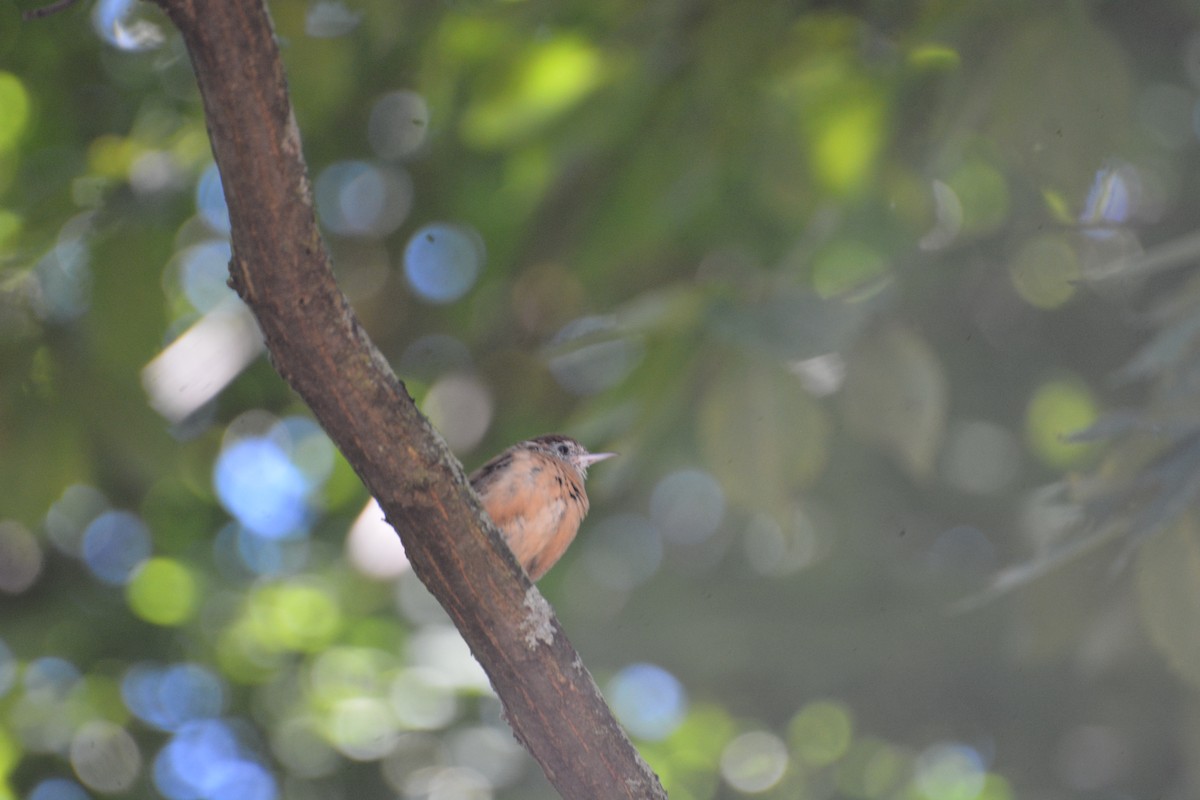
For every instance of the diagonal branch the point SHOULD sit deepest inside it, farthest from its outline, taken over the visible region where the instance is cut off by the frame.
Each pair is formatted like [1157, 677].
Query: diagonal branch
[281, 270]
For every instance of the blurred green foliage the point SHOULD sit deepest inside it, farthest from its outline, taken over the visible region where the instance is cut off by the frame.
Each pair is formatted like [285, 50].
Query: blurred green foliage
[884, 305]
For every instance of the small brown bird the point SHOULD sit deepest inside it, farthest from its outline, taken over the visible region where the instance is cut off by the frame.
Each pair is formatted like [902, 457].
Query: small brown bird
[533, 491]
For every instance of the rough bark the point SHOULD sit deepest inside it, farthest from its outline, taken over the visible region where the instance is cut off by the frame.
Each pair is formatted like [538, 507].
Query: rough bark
[281, 270]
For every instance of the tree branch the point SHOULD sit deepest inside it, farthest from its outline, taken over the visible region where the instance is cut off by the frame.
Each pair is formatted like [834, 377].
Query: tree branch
[281, 270]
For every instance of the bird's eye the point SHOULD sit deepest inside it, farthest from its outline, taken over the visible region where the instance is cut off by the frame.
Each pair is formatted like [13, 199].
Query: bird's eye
[563, 450]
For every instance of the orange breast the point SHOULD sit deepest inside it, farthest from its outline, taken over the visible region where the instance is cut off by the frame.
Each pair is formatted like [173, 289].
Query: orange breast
[538, 505]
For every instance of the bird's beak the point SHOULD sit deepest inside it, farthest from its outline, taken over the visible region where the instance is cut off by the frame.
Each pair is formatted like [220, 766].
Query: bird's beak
[592, 458]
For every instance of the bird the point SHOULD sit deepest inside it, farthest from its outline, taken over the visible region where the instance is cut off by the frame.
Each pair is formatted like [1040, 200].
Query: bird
[534, 493]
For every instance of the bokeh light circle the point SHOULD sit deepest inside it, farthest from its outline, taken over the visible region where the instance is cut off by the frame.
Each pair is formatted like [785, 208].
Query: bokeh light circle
[114, 545]
[14, 99]
[307, 445]
[70, 515]
[460, 406]
[373, 547]
[949, 769]
[50, 679]
[821, 732]
[210, 201]
[205, 761]
[491, 752]
[422, 702]
[260, 486]
[754, 762]
[442, 650]
[448, 783]
[648, 700]
[20, 558]
[156, 171]
[362, 728]
[44, 719]
[204, 274]
[777, 550]
[356, 198]
[295, 615]
[398, 124]
[688, 506]
[872, 768]
[243, 780]
[414, 752]
[304, 752]
[170, 697]
[264, 555]
[442, 261]
[163, 591]
[328, 19]
[58, 789]
[622, 551]
[1046, 271]
[105, 757]
[1058, 409]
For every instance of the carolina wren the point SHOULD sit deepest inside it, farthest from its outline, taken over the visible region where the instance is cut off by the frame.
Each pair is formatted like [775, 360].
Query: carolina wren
[533, 491]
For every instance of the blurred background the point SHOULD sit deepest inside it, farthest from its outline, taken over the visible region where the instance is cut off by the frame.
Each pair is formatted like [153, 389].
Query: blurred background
[890, 310]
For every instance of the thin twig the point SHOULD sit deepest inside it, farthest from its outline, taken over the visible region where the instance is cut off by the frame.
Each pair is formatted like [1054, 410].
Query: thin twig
[46, 11]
